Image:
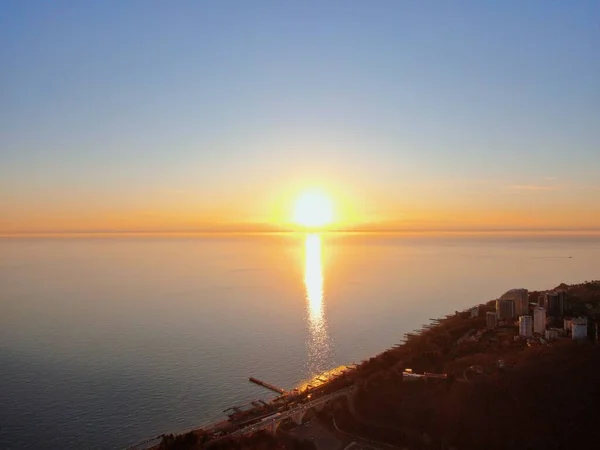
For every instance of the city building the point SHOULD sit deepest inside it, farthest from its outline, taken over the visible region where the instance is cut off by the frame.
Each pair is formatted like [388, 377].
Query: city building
[505, 309]
[551, 334]
[562, 298]
[525, 326]
[558, 330]
[521, 299]
[474, 311]
[579, 328]
[554, 302]
[491, 320]
[539, 320]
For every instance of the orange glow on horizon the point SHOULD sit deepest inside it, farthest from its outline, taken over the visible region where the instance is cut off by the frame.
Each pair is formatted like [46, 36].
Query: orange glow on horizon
[311, 205]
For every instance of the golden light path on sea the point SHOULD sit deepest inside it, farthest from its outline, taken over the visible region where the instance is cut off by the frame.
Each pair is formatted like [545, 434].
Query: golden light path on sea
[318, 342]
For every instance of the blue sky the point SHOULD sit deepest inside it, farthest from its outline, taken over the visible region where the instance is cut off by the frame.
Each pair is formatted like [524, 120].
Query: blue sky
[184, 113]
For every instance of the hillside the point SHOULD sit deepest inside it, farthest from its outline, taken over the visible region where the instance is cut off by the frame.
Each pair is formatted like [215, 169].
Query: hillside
[543, 395]
[547, 400]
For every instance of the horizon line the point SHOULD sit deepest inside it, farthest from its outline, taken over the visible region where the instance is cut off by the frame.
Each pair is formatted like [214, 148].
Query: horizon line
[146, 233]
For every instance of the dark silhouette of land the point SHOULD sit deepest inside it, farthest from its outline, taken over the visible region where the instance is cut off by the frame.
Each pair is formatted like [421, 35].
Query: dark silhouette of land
[542, 395]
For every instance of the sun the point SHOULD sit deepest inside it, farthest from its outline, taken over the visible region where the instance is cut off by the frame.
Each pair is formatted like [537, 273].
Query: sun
[313, 209]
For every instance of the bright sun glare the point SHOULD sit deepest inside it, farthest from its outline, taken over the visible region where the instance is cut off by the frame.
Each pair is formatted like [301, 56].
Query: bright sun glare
[313, 209]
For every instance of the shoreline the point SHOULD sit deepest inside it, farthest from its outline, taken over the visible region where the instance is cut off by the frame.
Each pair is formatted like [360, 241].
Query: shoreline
[456, 333]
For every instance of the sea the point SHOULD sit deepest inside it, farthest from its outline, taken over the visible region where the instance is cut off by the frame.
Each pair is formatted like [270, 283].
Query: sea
[106, 341]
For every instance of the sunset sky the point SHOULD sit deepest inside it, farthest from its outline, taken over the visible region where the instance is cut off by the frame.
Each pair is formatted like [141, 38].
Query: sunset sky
[216, 115]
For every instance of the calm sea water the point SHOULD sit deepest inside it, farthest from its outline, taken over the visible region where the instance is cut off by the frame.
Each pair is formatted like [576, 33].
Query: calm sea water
[107, 341]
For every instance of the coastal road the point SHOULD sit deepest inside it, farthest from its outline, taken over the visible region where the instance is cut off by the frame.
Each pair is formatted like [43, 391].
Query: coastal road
[283, 415]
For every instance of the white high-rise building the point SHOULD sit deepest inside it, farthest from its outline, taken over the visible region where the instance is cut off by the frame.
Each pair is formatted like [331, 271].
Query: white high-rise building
[525, 326]
[579, 328]
[539, 320]
[551, 334]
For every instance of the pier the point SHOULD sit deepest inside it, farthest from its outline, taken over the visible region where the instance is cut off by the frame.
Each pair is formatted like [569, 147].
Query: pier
[267, 385]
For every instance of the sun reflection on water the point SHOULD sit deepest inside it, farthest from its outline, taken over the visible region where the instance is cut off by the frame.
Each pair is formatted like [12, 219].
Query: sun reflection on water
[318, 342]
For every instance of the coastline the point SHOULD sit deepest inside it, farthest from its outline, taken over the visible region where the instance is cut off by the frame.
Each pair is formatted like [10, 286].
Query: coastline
[457, 348]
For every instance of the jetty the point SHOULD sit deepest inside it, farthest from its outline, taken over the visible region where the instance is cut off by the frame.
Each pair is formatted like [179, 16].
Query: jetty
[268, 386]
